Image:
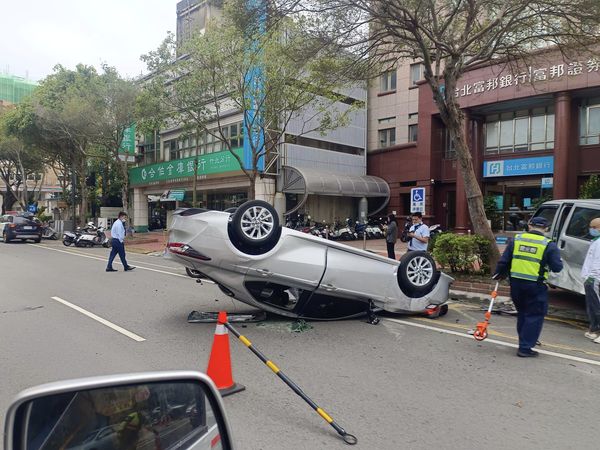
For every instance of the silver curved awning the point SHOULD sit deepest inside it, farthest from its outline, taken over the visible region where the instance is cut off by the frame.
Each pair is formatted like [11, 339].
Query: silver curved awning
[308, 181]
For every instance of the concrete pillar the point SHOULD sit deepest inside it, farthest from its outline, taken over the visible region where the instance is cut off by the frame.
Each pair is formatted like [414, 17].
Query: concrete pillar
[363, 210]
[565, 178]
[279, 204]
[140, 210]
[462, 209]
[265, 189]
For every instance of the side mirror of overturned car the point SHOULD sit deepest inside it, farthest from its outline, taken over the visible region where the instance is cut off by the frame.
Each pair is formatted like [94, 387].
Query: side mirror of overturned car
[153, 410]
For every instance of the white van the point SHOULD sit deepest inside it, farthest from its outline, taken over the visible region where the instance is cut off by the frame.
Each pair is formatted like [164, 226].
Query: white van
[569, 227]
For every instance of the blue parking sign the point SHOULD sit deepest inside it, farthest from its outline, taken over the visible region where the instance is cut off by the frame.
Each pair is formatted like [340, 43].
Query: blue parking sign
[417, 200]
[32, 208]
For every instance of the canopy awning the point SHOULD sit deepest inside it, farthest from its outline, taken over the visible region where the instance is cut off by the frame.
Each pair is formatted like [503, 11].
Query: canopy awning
[305, 182]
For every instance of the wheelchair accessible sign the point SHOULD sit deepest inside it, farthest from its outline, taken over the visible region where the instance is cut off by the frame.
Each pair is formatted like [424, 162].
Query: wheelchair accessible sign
[417, 200]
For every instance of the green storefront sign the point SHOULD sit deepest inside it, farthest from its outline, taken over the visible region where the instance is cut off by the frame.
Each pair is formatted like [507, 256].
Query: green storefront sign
[211, 163]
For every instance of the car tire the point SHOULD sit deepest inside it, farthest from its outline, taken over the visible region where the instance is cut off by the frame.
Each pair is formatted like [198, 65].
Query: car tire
[417, 274]
[255, 224]
[5, 237]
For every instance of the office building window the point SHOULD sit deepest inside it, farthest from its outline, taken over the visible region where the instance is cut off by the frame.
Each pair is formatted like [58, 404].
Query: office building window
[416, 73]
[387, 81]
[589, 123]
[412, 133]
[449, 147]
[387, 137]
[520, 131]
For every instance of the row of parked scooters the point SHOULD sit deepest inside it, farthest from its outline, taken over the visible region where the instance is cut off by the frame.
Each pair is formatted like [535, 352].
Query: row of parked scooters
[88, 236]
[375, 228]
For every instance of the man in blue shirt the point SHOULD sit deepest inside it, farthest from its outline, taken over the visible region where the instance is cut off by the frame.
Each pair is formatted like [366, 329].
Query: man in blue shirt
[117, 234]
[418, 233]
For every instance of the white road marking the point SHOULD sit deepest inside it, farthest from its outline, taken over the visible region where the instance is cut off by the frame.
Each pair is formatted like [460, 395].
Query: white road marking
[117, 328]
[104, 259]
[494, 341]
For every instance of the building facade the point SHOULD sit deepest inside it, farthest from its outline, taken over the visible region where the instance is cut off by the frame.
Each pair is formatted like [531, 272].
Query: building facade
[308, 174]
[533, 132]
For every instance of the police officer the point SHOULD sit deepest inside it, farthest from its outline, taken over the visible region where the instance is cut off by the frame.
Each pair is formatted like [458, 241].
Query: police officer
[526, 260]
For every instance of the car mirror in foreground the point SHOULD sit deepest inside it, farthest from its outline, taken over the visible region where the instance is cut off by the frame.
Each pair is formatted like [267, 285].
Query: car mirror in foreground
[155, 410]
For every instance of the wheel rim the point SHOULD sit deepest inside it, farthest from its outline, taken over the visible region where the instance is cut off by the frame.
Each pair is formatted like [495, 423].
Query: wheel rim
[419, 271]
[257, 223]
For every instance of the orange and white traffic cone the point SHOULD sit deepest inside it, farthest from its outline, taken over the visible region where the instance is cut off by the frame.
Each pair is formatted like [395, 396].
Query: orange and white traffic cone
[219, 364]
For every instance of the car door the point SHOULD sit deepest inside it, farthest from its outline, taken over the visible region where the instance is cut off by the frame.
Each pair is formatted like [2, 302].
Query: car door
[286, 278]
[353, 275]
[574, 242]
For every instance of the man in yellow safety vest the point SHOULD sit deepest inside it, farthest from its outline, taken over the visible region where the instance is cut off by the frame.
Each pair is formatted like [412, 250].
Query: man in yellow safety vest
[526, 261]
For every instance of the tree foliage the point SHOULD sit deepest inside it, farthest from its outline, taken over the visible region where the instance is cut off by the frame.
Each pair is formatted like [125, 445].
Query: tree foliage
[591, 188]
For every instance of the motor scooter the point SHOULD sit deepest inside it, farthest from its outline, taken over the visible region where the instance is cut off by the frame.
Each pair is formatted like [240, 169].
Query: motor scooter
[92, 236]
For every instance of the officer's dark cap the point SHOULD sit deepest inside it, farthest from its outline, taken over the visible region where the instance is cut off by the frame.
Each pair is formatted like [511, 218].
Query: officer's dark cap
[539, 222]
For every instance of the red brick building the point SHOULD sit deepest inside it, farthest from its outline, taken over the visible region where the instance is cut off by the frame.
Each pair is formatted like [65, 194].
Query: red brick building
[534, 133]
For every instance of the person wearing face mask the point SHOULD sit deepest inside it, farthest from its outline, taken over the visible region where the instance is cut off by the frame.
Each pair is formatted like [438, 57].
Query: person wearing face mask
[590, 272]
[117, 234]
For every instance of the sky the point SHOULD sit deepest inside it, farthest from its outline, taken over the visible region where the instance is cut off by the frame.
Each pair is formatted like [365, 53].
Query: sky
[35, 35]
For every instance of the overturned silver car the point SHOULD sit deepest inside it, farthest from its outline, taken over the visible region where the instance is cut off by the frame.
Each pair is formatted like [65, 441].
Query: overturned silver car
[283, 271]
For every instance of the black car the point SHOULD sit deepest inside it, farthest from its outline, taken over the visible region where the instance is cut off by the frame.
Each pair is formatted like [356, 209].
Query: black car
[19, 227]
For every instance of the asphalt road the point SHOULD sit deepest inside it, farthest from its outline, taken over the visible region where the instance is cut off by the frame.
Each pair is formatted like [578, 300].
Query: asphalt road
[409, 382]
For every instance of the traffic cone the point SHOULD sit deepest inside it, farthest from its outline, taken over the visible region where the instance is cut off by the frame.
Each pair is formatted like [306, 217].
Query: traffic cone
[219, 364]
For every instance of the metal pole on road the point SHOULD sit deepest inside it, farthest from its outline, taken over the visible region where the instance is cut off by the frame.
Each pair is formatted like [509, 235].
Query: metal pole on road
[348, 438]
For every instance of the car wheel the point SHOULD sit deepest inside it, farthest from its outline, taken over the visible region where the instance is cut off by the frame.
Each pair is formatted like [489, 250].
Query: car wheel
[5, 237]
[255, 223]
[67, 242]
[417, 274]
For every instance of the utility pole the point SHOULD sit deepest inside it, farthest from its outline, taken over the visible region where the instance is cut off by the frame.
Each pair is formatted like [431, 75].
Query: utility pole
[73, 184]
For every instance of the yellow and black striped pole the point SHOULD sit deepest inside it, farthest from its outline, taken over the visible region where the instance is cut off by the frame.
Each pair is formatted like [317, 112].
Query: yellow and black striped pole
[348, 438]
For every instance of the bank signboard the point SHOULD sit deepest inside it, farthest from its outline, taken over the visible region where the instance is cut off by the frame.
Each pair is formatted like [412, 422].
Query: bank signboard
[172, 171]
[541, 165]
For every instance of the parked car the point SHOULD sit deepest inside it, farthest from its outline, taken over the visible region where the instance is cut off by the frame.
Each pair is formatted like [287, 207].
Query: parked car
[284, 271]
[15, 227]
[570, 221]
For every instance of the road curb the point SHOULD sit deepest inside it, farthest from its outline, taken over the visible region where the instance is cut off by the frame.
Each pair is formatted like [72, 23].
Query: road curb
[482, 299]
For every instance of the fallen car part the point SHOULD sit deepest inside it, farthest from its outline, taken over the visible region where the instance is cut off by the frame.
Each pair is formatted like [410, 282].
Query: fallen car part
[211, 317]
[348, 438]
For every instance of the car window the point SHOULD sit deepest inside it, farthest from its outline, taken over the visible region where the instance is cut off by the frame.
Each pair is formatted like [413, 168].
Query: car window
[547, 212]
[22, 221]
[579, 224]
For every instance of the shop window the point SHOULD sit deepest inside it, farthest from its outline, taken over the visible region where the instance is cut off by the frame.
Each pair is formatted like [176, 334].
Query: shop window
[387, 137]
[579, 224]
[589, 133]
[387, 81]
[412, 133]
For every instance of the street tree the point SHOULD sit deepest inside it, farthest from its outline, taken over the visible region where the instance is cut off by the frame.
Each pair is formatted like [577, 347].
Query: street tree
[19, 163]
[118, 98]
[451, 37]
[261, 65]
[65, 112]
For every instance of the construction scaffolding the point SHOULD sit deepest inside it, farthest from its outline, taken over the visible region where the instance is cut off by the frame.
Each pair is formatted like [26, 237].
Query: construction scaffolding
[14, 89]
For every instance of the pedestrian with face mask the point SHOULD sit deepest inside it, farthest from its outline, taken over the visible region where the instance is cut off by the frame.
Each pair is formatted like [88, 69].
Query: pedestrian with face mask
[590, 272]
[117, 234]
